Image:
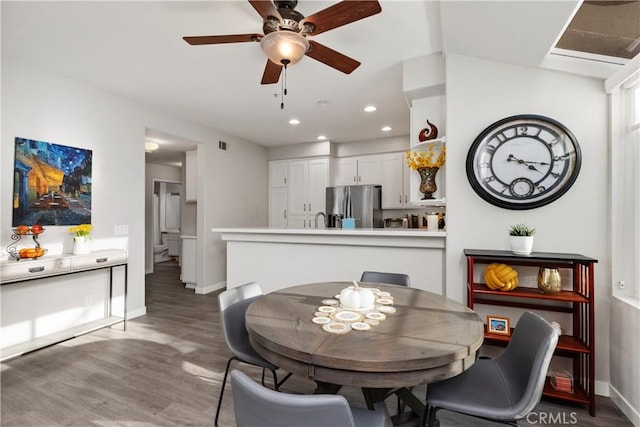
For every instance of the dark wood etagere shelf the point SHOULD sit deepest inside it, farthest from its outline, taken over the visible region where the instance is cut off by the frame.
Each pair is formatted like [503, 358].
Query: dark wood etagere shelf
[578, 301]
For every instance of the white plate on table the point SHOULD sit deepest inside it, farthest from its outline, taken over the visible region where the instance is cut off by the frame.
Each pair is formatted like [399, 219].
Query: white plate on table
[348, 316]
[336, 328]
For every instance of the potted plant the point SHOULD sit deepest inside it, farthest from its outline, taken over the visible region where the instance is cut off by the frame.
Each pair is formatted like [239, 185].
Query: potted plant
[521, 237]
[81, 239]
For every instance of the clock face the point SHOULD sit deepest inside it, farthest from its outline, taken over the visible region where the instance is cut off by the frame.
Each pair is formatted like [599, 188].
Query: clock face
[523, 162]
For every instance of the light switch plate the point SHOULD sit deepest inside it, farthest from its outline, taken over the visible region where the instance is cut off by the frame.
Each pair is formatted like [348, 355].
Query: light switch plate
[121, 230]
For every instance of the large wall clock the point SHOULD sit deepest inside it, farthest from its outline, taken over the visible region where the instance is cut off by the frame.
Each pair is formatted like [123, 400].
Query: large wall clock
[523, 162]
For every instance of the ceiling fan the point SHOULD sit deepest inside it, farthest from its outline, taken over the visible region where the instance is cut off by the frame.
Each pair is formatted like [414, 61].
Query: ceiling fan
[286, 30]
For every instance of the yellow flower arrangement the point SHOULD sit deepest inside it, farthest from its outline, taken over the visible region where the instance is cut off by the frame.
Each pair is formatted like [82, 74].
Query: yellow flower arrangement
[82, 230]
[422, 159]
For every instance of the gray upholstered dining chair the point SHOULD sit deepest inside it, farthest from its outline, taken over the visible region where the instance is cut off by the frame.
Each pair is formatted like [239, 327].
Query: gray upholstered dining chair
[389, 278]
[504, 389]
[255, 405]
[233, 305]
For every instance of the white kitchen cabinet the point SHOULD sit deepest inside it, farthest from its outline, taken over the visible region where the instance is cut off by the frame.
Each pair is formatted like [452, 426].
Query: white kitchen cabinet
[318, 182]
[191, 176]
[278, 207]
[346, 171]
[308, 180]
[305, 221]
[394, 178]
[278, 171]
[357, 170]
[297, 191]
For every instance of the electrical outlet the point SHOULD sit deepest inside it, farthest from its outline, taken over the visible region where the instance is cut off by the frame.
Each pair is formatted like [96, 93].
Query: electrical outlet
[121, 230]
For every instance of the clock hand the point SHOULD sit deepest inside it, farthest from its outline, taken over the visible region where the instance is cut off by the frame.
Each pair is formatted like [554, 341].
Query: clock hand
[513, 158]
[533, 168]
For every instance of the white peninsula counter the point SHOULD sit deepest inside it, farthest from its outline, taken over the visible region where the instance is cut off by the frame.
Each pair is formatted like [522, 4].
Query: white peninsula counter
[279, 258]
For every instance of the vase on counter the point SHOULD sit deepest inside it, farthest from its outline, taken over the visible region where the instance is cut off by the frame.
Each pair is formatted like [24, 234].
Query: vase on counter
[428, 181]
[81, 245]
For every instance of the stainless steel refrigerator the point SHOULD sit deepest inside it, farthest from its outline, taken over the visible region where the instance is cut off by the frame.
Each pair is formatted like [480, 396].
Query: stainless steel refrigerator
[361, 202]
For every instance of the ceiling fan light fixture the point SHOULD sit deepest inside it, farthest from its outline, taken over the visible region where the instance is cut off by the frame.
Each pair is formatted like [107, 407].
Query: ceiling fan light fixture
[283, 46]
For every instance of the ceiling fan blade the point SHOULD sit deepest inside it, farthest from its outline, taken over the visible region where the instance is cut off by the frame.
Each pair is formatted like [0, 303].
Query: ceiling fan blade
[234, 38]
[271, 73]
[332, 58]
[265, 8]
[341, 14]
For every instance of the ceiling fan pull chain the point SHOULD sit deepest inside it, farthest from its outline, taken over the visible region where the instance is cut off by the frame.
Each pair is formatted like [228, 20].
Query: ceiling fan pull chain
[282, 95]
[283, 86]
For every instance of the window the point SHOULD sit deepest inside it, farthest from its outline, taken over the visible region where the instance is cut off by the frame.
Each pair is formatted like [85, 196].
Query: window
[626, 191]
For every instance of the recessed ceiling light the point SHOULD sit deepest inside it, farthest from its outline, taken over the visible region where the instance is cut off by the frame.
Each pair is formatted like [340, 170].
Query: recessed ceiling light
[370, 108]
[321, 138]
[294, 122]
[150, 146]
[386, 129]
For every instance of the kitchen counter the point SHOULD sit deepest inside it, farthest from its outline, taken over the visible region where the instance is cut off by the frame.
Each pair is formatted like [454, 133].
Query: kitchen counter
[415, 232]
[279, 258]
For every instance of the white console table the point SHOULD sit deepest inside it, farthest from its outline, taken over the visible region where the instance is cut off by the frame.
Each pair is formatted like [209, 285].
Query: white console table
[15, 273]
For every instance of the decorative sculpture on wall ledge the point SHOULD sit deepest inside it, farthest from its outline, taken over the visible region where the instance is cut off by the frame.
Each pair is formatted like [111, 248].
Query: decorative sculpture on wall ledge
[428, 133]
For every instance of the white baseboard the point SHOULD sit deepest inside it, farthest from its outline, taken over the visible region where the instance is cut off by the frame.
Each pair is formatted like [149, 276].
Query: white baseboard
[132, 314]
[602, 388]
[632, 413]
[211, 288]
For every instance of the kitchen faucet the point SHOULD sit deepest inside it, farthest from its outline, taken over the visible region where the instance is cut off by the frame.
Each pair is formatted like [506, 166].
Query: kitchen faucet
[324, 219]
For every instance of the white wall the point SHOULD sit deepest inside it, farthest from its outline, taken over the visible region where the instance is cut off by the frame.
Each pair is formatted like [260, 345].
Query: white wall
[42, 105]
[235, 193]
[478, 94]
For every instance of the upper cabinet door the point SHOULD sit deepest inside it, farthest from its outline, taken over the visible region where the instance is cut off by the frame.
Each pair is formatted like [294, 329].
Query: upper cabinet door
[369, 170]
[278, 174]
[346, 171]
[318, 182]
[392, 169]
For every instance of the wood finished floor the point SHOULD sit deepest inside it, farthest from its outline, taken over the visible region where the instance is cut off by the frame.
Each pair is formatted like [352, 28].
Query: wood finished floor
[166, 370]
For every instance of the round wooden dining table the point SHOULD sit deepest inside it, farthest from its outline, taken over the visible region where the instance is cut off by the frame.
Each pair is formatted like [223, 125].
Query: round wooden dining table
[428, 338]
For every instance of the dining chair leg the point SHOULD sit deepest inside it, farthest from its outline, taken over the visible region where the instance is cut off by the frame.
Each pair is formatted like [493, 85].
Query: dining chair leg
[224, 381]
[262, 380]
[277, 384]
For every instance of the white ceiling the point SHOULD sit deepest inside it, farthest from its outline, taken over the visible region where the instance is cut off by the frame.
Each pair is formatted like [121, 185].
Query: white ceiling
[135, 49]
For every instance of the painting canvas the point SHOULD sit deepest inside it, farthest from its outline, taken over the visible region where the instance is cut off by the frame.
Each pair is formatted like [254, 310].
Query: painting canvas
[51, 184]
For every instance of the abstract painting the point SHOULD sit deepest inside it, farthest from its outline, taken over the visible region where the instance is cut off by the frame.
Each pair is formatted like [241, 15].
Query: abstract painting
[51, 184]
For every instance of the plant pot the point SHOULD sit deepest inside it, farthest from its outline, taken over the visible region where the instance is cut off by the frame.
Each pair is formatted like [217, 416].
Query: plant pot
[81, 245]
[521, 245]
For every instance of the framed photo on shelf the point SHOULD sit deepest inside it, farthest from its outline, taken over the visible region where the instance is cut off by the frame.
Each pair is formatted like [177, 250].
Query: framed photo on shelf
[498, 325]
